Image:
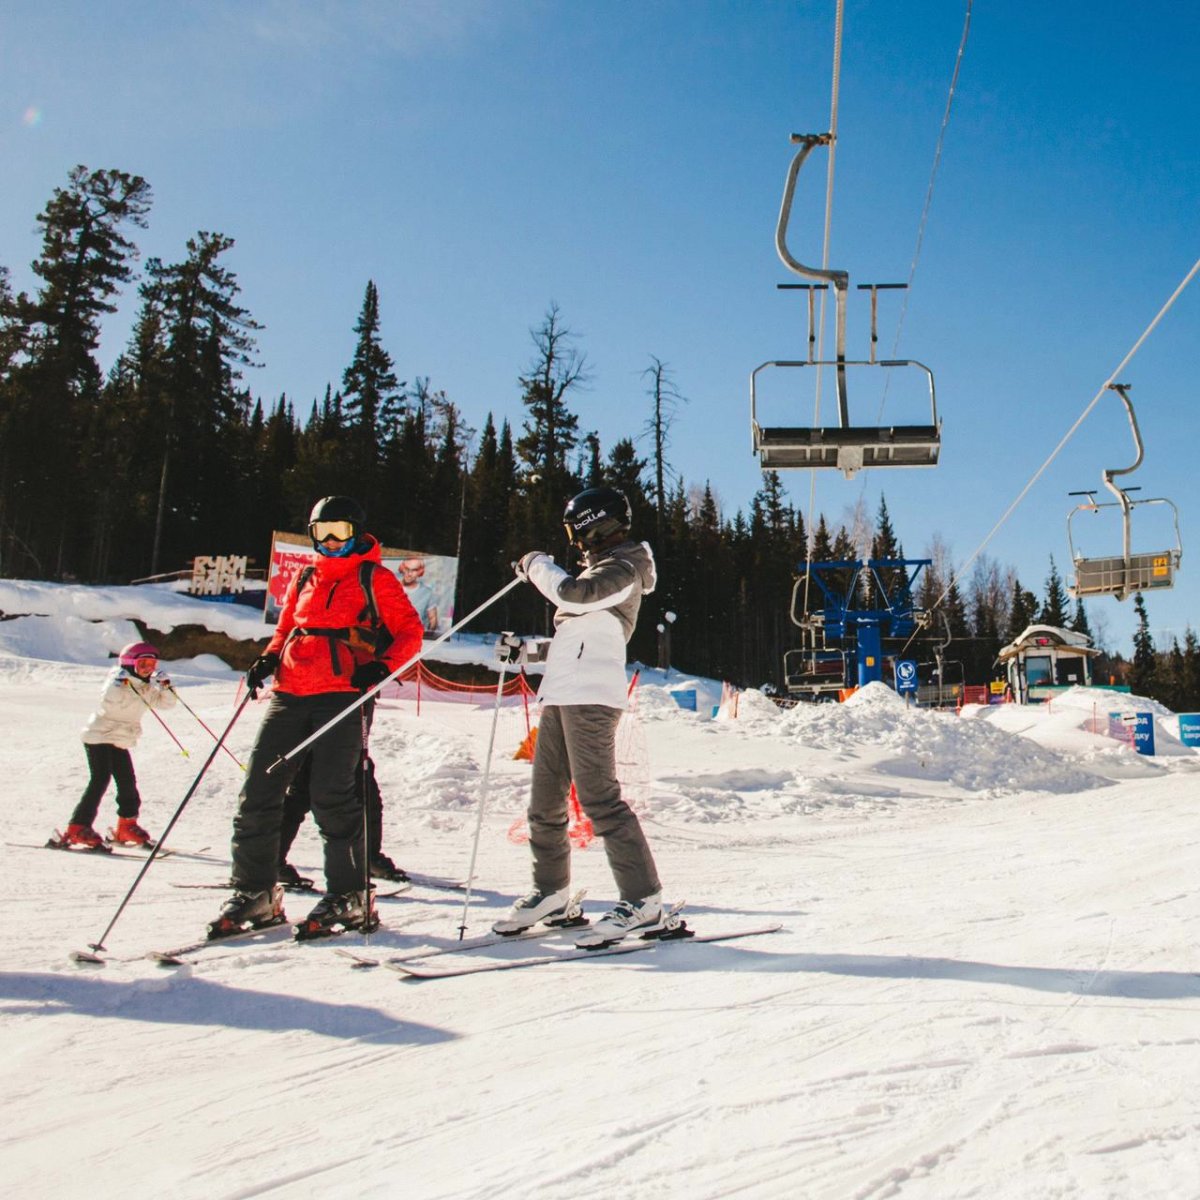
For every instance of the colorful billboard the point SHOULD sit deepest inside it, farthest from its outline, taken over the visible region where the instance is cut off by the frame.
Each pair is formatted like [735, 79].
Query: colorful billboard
[428, 579]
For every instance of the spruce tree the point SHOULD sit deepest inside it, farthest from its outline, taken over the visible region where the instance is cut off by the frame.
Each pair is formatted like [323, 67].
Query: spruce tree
[209, 339]
[372, 399]
[1054, 610]
[1143, 677]
[53, 393]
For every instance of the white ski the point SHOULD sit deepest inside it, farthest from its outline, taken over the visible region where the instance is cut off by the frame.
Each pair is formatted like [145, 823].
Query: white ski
[571, 953]
[483, 940]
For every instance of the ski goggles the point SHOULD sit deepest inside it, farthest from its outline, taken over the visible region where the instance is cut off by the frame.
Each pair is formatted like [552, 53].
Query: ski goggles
[322, 531]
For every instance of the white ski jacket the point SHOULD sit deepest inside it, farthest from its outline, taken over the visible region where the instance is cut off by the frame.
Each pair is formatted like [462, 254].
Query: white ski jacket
[123, 703]
[597, 612]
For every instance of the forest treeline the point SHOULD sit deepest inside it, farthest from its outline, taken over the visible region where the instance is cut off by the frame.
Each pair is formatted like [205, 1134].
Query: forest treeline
[119, 476]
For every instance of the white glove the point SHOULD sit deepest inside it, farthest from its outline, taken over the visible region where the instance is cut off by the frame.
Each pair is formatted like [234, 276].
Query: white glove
[527, 560]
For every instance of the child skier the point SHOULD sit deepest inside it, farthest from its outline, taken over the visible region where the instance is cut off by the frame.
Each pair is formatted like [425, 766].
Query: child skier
[582, 695]
[132, 687]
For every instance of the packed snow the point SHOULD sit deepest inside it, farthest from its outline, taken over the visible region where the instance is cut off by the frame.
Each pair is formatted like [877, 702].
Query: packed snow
[985, 983]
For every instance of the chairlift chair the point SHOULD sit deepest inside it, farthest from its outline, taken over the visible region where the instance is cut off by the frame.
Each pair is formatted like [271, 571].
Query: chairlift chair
[847, 447]
[1127, 573]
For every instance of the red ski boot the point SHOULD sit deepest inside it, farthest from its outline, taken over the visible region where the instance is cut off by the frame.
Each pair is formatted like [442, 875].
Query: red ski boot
[129, 833]
[82, 836]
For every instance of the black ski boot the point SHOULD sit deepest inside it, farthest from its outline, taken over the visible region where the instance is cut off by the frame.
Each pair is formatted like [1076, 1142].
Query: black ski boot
[382, 867]
[292, 880]
[249, 910]
[336, 913]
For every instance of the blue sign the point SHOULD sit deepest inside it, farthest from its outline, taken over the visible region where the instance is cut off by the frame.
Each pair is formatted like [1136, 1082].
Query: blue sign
[1189, 729]
[1137, 728]
[685, 699]
[906, 676]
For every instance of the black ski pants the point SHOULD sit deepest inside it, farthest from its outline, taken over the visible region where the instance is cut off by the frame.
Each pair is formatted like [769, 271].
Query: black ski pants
[336, 808]
[297, 800]
[106, 763]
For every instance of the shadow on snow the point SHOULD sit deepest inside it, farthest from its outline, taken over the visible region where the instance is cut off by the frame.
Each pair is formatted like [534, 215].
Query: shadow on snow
[191, 1001]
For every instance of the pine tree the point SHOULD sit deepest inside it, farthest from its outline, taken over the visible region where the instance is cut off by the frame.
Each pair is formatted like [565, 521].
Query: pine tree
[372, 399]
[52, 392]
[665, 401]
[1079, 622]
[1022, 612]
[1054, 611]
[1190, 690]
[209, 339]
[1143, 677]
[550, 431]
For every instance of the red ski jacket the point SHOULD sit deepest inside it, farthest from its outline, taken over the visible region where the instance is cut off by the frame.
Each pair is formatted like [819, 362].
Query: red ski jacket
[329, 624]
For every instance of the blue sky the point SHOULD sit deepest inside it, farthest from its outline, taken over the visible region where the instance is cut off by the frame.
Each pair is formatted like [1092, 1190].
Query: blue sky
[626, 161]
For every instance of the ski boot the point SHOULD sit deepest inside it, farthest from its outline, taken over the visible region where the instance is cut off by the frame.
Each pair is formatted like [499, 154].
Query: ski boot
[82, 837]
[292, 880]
[557, 909]
[248, 910]
[336, 913]
[642, 917]
[382, 867]
[129, 833]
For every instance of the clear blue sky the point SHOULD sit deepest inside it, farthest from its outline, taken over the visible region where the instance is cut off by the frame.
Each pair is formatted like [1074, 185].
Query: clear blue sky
[626, 161]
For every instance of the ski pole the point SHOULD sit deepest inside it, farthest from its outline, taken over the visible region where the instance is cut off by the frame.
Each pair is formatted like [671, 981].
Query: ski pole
[182, 749]
[483, 794]
[362, 772]
[367, 695]
[203, 725]
[98, 945]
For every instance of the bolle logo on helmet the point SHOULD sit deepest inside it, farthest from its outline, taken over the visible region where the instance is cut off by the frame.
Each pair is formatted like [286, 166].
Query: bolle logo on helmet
[589, 519]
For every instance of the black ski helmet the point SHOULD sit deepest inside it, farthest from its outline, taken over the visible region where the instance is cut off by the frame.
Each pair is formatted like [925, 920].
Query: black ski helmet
[595, 515]
[337, 508]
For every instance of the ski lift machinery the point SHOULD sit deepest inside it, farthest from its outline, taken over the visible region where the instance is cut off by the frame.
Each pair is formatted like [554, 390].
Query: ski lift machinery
[1124, 574]
[847, 447]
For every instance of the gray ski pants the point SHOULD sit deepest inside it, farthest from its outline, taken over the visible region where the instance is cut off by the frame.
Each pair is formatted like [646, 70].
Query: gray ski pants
[578, 742]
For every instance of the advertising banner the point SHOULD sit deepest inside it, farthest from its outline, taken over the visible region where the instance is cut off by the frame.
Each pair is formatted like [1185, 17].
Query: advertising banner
[428, 579]
[1189, 729]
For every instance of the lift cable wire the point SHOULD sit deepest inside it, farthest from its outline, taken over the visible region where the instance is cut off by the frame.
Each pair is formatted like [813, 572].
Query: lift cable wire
[1117, 371]
[937, 159]
[835, 89]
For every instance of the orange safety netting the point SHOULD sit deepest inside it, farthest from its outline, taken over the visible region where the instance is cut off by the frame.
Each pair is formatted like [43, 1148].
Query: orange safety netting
[419, 679]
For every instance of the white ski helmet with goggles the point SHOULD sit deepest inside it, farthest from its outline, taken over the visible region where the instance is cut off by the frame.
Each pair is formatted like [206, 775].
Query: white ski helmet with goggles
[596, 515]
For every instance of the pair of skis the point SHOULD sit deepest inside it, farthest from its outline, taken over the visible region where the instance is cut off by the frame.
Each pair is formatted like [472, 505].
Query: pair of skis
[672, 932]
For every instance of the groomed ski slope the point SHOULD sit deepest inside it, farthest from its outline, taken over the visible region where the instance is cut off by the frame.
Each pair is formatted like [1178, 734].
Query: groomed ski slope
[986, 984]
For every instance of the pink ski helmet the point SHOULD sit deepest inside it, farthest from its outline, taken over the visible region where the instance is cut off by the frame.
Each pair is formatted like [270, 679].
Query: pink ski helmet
[135, 650]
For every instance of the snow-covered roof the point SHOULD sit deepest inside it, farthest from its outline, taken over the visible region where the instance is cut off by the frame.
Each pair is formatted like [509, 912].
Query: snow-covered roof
[1063, 639]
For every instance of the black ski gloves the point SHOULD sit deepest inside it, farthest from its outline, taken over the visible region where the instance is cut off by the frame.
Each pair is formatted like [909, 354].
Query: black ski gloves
[367, 675]
[261, 669]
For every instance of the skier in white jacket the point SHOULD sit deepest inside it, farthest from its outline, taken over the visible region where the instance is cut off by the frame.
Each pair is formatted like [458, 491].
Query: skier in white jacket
[132, 687]
[582, 694]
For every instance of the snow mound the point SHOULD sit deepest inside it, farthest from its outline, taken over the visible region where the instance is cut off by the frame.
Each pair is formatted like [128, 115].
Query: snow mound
[928, 744]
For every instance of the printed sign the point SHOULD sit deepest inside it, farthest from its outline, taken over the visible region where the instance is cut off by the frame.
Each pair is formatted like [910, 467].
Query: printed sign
[1136, 728]
[216, 575]
[906, 676]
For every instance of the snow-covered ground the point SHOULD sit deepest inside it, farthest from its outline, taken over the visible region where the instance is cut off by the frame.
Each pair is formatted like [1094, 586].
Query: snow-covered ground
[985, 985]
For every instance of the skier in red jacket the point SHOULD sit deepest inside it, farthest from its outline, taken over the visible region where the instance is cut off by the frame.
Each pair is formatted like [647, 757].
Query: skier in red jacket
[346, 625]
